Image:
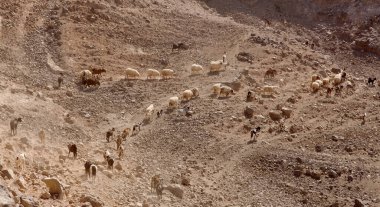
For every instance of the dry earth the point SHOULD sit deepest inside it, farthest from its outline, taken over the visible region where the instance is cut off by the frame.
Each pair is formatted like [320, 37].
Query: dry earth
[321, 155]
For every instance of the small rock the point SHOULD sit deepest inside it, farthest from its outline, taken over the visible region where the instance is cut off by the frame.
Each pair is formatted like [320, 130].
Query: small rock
[49, 87]
[315, 175]
[286, 112]
[248, 112]
[28, 201]
[95, 202]
[118, 166]
[108, 173]
[350, 178]
[21, 182]
[25, 141]
[348, 149]
[299, 160]
[185, 181]
[29, 91]
[336, 70]
[45, 195]
[175, 190]
[318, 148]
[69, 93]
[41, 96]
[332, 174]
[297, 173]
[9, 146]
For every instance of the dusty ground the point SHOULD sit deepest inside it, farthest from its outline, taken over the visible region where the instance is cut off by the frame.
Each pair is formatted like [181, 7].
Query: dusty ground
[323, 157]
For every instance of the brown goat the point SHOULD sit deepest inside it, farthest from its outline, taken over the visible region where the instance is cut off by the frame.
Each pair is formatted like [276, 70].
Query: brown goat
[72, 148]
[14, 124]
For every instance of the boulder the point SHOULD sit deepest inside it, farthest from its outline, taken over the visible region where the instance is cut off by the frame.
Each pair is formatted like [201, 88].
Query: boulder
[5, 197]
[28, 201]
[275, 115]
[95, 202]
[21, 182]
[175, 190]
[359, 203]
[7, 174]
[55, 187]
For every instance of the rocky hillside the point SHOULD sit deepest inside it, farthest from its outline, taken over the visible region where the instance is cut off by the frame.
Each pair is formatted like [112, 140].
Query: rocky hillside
[313, 149]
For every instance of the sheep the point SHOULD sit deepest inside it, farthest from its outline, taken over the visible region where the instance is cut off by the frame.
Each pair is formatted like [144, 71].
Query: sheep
[109, 134]
[110, 162]
[72, 148]
[270, 73]
[96, 71]
[121, 152]
[371, 81]
[216, 65]
[173, 102]
[20, 161]
[14, 124]
[159, 113]
[42, 136]
[315, 86]
[226, 90]
[325, 81]
[195, 92]
[60, 80]
[315, 77]
[167, 73]
[130, 72]
[152, 73]
[196, 69]
[87, 166]
[125, 133]
[216, 88]
[93, 169]
[106, 154]
[90, 82]
[149, 111]
[85, 74]
[154, 182]
[254, 132]
[118, 141]
[224, 58]
[339, 78]
[187, 94]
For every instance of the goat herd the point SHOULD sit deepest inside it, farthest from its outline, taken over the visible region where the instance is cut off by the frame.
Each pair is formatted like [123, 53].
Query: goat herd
[91, 77]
